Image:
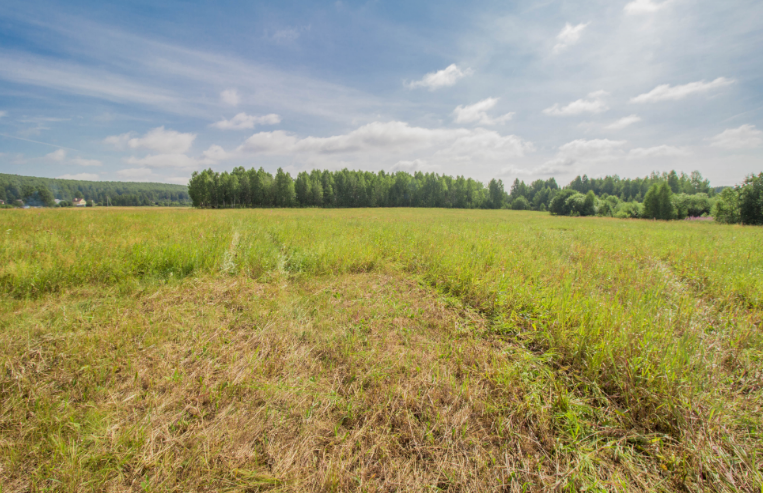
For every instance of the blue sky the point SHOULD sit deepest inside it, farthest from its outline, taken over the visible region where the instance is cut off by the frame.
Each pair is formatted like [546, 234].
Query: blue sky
[151, 91]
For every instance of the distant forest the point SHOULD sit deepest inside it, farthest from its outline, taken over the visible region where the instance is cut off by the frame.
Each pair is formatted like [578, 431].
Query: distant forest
[44, 191]
[258, 188]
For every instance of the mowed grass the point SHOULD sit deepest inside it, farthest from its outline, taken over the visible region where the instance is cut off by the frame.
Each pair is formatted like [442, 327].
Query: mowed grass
[377, 350]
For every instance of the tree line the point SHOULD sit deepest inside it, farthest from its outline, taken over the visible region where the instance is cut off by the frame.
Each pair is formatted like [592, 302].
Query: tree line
[34, 191]
[345, 188]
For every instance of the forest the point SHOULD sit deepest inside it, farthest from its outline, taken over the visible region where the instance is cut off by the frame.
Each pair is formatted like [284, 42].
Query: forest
[36, 191]
[690, 195]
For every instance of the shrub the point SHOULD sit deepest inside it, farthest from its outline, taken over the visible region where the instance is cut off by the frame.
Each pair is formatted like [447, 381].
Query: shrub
[629, 210]
[520, 204]
[559, 204]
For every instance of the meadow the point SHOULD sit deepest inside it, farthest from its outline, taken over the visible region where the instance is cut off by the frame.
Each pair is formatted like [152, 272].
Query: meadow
[377, 350]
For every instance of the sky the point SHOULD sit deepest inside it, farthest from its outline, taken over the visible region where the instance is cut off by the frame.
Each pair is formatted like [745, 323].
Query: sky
[152, 91]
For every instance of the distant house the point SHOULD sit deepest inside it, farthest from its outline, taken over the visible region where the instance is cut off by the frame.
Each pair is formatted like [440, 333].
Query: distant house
[2, 202]
[79, 202]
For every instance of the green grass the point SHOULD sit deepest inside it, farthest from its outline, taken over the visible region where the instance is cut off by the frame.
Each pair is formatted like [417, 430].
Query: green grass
[378, 350]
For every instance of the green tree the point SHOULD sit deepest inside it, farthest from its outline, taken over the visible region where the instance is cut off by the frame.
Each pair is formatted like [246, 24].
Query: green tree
[285, 196]
[496, 193]
[751, 200]
[726, 209]
[658, 203]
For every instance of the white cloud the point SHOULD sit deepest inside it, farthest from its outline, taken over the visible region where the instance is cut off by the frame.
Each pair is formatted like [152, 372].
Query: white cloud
[80, 176]
[665, 92]
[242, 121]
[477, 113]
[58, 155]
[442, 78]
[744, 137]
[389, 137]
[160, 140]
[393, 143]
[413, 166]
[3, 113]
[138, 174]
[164, 161]
[658, 151]
[118, 141]
[230, 97]
[594, 103]
[586, 151]
[623, 122]
[645, 6]
[568, 36]
[214, 154]
[86, 162]
[178, 180]
[484, 146]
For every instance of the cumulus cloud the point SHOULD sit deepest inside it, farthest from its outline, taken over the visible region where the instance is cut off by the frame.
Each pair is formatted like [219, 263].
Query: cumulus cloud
[243, 121]
[623, 122]
[214, 154]
[80, 176]
[138, 174]
[658, 151]
[413, 166]
[593, 103]
[568, 36]
[477, 113]
[161, 140]
[442, 78]
[744, 137]
[230, 97]
[58, 155]
[645, 6]
[164, 161]
[86, 162]
[666, 92]
[582, 150]
[393, 144]
[118, 141]
[389, 137]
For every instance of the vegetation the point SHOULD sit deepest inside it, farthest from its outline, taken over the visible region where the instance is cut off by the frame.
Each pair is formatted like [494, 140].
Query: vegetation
[258, 188]
[43, 192]
[368, 350]
[741, 204]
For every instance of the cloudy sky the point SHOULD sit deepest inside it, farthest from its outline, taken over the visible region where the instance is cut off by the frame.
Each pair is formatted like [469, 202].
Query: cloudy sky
[150, 91]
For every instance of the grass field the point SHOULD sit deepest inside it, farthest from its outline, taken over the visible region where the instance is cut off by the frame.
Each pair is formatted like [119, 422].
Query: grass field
[377, 350]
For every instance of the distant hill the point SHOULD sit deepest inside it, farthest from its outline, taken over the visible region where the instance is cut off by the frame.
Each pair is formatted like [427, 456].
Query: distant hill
[17, 187]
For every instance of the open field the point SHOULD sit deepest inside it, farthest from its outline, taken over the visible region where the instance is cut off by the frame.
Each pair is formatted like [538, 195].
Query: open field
[377, 350]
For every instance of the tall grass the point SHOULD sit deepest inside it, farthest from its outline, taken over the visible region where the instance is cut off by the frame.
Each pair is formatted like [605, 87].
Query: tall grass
[655, 326]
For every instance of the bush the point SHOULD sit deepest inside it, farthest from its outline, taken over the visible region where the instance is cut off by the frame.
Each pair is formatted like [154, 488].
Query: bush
[629, 210]
[691, 205]
[520, 204]
[559, 204]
